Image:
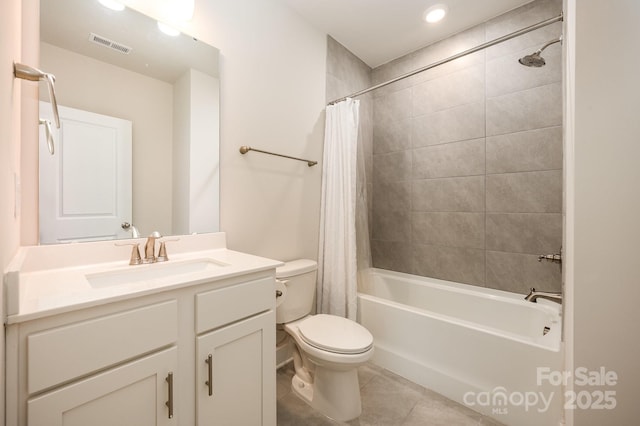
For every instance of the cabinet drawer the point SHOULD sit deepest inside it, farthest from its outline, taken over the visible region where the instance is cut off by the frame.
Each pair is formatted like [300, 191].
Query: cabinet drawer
[216, 308]
[60, 354]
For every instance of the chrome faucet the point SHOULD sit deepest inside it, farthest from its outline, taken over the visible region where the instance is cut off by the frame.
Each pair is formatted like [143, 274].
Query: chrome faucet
[150, 248]
[534, 295]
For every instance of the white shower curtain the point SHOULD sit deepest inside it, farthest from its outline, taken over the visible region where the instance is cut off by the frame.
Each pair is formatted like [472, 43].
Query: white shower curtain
[337, 263]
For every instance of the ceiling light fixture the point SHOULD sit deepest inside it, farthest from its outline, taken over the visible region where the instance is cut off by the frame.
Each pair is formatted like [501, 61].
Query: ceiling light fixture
[112, 4]
[170, 31]
[435, 13]
[180, 10]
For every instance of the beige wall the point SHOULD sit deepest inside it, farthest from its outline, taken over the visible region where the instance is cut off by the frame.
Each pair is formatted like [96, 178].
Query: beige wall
[272, 68]
[10, 18]
[272, 90]
[604, 208]
[95, 86]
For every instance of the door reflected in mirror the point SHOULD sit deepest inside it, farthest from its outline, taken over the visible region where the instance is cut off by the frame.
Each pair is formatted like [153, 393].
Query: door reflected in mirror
[119, 64]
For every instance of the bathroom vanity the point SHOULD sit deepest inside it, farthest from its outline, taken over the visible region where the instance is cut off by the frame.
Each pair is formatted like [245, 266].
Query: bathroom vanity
[92, 340]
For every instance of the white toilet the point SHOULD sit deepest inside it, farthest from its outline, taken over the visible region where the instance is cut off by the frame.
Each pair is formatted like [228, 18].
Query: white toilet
[327, 349]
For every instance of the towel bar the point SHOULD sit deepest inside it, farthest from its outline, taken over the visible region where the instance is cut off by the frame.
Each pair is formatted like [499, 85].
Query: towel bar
[244, 149]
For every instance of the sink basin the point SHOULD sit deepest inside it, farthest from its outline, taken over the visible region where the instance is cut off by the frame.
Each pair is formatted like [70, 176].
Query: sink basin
[151, 272]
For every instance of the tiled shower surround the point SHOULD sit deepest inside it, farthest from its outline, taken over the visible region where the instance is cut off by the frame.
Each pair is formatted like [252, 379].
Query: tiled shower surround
[467, 159]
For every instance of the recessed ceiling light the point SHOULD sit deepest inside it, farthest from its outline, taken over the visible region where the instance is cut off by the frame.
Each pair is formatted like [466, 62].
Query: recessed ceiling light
[112, 4]
[170, 31]
[435, 13]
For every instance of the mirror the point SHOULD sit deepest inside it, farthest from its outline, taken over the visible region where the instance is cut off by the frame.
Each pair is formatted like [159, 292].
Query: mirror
[118, 64]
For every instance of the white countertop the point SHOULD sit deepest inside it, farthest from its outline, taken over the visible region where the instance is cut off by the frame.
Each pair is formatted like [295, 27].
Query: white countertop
[48, 280]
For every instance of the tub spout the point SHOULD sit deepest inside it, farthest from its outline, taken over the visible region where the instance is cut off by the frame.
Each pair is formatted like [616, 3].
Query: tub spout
[534, 295]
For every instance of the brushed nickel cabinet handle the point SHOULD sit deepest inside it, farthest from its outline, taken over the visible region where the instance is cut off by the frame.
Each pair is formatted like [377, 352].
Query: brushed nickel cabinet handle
[169, 403]
[209, 382]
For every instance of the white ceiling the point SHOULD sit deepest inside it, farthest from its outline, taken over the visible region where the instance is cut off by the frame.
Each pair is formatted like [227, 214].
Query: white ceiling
[378, 31]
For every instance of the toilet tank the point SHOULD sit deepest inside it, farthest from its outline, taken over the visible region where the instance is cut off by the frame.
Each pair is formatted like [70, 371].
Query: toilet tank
[297, 281]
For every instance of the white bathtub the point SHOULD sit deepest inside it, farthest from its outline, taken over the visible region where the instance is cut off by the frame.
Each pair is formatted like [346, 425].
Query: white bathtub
[478, 346]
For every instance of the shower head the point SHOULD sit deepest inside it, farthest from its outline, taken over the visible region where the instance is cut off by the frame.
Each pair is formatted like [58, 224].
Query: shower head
[535, 60]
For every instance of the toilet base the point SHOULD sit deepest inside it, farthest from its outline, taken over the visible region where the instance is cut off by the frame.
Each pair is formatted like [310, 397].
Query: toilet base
[336, 394]
[303, 389]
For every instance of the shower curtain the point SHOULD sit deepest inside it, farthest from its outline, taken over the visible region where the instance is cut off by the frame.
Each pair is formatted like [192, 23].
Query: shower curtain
[337, 258]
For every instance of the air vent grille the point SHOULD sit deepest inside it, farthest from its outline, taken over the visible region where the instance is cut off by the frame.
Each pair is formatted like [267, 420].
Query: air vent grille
[103, 41]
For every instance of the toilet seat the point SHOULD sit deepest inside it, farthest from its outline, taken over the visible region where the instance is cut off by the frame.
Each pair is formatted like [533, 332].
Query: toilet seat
[335, 334]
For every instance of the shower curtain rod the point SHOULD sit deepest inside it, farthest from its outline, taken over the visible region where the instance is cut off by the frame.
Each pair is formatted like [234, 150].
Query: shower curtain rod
[454, 57]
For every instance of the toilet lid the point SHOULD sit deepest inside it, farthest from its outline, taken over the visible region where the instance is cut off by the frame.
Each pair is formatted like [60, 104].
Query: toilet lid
[335, 334]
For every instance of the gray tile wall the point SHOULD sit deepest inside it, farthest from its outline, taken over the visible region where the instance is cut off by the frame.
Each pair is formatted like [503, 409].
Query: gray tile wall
[467, 158]
[347, 74]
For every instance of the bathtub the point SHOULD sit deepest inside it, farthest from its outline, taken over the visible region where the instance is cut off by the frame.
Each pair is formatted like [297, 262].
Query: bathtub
[487, 349]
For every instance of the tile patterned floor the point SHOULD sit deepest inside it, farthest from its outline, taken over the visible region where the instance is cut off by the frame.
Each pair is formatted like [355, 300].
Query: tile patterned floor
[387, 400]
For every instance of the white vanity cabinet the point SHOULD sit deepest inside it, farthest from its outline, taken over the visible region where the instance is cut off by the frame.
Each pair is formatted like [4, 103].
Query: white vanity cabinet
[145, 360]
[235, 363]
[234, 377]
[139, 393]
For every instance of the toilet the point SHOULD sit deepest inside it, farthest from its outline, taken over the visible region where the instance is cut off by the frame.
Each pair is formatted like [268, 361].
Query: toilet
[327, 349]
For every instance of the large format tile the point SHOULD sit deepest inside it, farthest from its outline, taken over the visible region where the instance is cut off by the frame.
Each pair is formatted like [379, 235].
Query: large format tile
[392, 196]
[386, 400]
[283, 380]
[292, 411]
[525, 110]
[466, 158]
[393, 107]
[392, 167]
[449, 229]
[527, 192]
[463, 265]
[391, 226]
[446, 48]
[346, 66]
[394, 256]
[336, 88]
[458, 194]
[441, 413]
[428, 55]
[517, 272]
[522, 17]
[534, 233]
[454, 124]
[392, 136]
[473, 127]
[459, 88]
[507, 75]
[539, 149]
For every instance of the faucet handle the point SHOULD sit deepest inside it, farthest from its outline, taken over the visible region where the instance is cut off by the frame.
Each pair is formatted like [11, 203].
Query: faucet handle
[162, 251]
[136, 259]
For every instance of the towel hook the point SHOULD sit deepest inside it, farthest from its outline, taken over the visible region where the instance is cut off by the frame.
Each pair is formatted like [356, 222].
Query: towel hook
[26, 72]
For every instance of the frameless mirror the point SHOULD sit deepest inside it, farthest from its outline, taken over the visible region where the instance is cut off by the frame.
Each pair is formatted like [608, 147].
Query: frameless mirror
[139, 139]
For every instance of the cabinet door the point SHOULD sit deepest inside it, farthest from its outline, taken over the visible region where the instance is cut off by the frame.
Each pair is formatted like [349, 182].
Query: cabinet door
[134, 394]
[235, 374]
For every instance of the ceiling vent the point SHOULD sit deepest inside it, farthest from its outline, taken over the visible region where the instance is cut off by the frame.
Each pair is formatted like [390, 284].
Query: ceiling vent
[103, 41]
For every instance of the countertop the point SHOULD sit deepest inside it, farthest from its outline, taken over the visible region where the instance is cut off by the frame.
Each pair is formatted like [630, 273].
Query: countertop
[48, 280]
